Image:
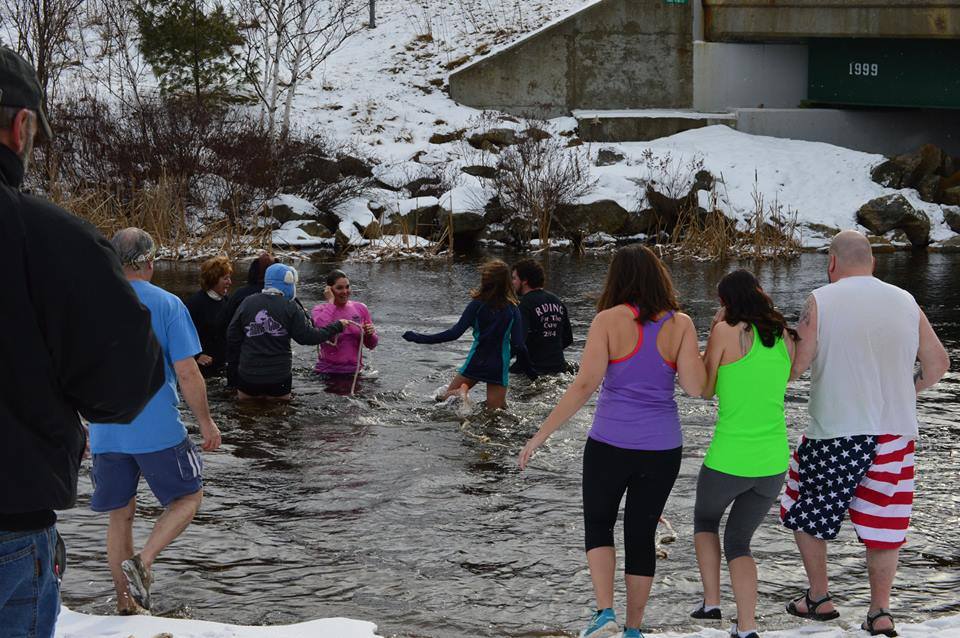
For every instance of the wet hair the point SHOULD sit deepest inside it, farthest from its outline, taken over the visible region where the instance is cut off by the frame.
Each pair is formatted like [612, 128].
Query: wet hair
[335, 274]
[496, 288]
[637, 276]
[744, 300]
[212, 270]
[531, 272]
[134, 246]
[257, 269]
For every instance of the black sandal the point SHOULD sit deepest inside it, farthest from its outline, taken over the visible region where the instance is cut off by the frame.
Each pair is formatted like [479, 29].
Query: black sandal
[890, 632]
[812, 606]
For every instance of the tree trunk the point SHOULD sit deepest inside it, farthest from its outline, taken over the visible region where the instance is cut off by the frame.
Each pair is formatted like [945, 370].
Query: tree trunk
[300, 50]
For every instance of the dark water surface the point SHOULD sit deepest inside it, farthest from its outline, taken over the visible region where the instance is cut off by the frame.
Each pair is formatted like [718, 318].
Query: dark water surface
[388, 508]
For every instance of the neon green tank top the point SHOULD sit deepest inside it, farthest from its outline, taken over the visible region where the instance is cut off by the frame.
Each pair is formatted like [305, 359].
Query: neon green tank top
[751, 434]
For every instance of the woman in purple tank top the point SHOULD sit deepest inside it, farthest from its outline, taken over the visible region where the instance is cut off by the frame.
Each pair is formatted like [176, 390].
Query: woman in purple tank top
[638, 345]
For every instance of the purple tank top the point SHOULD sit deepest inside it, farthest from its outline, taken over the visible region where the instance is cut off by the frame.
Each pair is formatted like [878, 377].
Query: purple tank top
[636, 409]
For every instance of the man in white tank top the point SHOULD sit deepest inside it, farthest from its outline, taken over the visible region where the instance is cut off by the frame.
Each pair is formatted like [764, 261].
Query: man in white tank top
[862, 340]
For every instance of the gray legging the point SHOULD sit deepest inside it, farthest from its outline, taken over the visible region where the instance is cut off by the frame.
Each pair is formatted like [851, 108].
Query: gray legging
[751, 498]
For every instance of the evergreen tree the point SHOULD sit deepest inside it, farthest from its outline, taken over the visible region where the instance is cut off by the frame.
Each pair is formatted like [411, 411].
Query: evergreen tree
[191, 46]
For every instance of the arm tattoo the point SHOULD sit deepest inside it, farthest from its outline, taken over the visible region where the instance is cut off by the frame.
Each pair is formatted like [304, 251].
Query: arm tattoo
[807, 311]
[918, 373]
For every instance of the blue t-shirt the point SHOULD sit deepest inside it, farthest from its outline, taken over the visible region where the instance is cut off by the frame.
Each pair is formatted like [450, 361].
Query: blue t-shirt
[159, 426]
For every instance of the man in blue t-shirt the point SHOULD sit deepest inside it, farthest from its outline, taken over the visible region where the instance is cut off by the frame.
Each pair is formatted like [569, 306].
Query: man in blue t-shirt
[155, 444]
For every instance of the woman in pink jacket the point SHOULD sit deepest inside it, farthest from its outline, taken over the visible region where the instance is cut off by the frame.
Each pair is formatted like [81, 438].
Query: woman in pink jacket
[342, 355]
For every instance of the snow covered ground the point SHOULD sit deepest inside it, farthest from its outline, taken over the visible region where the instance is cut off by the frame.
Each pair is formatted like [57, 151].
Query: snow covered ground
[75, 625]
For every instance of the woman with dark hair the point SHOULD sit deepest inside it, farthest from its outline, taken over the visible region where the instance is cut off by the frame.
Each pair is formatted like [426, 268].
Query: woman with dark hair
[639, 344]
[748, 360]
[343, 355]
[497, 329]
[207, 309]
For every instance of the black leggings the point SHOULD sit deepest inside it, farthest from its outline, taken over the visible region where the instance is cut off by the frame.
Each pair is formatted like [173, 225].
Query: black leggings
[647, 476]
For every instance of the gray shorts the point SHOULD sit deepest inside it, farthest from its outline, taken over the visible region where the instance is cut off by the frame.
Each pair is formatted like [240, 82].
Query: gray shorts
[751, 497]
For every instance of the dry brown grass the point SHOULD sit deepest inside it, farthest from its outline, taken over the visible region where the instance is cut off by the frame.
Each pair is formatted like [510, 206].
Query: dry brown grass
[158, 209]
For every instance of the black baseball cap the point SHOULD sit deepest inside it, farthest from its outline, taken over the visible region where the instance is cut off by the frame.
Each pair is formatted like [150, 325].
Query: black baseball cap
[19, 87]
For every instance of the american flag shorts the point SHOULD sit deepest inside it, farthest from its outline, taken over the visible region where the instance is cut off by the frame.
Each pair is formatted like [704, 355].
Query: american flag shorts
[871, 476]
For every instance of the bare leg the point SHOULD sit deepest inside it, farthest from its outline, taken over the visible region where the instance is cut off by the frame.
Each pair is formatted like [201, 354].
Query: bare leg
[707, 545]
[119, 549]
[457, 386]
[882, 567]
[496, 396]
[743, 576]
[602, 562]
[638, 593]
[814, 554]
[170, 525]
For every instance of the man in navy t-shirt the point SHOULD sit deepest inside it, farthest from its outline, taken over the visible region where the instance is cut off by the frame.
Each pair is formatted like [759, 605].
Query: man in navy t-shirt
[155, 444]
[546, 322]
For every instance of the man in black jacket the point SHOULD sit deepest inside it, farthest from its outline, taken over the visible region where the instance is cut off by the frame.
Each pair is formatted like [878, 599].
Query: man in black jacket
[73, 339]
[546, 322]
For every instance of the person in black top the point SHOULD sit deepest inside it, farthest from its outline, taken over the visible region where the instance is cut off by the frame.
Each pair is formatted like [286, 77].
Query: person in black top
[258, 339]
[546, 322]
[74, 342]
[208, 309]
[253, 286]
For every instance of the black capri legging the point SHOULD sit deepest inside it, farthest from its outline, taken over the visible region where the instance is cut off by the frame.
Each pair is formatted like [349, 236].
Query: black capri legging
[647, 476]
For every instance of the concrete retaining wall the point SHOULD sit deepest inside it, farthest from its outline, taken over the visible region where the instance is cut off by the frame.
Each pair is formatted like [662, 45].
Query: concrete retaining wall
[888, 132]
[614, 54]
[785, 20]
[729, 76]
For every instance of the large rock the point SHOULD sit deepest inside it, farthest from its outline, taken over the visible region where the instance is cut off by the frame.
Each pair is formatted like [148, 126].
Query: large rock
[889, 174]
[537, 134]
[444, 138]
[489, 172]
[498, 137]
[608, 157]
[424, 187]
[324, 169]
[883, 214]
[602, 216]
[929, 188]
[926, 160]
[952, 217]
[353, 166]
[287, 208]
[951, 197]
[466, 224]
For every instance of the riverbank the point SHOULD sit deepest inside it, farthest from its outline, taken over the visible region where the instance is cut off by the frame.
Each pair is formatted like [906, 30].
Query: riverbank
[75, 625]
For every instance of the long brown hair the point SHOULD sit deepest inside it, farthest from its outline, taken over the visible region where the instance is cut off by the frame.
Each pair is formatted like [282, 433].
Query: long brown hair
[496, 287]
[637, 276]
[744, 300]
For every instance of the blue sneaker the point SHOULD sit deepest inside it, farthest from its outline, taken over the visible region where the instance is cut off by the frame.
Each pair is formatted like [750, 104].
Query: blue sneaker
[603, 623]
[631, 632]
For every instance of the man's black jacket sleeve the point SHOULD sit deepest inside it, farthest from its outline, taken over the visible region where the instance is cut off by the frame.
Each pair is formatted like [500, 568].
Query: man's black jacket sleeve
[104, 353]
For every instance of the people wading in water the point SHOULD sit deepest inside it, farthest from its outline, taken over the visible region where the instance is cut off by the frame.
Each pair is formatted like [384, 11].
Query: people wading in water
[862, 338]
[748, 365]
[546, 322]
[258, 339]
[208, 310]
[340, 359]
[497, 330]
[637, 346]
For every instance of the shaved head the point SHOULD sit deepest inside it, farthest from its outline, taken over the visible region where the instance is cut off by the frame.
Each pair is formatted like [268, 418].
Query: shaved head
[852, 252]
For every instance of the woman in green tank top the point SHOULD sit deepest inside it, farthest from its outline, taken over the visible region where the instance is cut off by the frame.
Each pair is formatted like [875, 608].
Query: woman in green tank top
[748, 360]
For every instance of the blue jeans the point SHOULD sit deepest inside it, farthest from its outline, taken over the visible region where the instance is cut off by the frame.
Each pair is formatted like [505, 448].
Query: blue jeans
[29, 587]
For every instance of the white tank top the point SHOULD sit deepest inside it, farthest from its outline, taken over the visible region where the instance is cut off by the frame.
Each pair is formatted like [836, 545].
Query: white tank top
[868, 334]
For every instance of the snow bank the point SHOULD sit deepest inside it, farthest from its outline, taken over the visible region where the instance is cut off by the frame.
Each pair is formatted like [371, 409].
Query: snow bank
[297, 205]
[292, 236]
[75, 625]
[824, 184]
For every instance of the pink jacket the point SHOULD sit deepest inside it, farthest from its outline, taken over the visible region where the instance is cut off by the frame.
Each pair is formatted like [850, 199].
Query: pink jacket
[340, 355]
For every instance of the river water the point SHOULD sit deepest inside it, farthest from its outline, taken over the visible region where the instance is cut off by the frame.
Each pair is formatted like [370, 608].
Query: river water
[389, 508]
